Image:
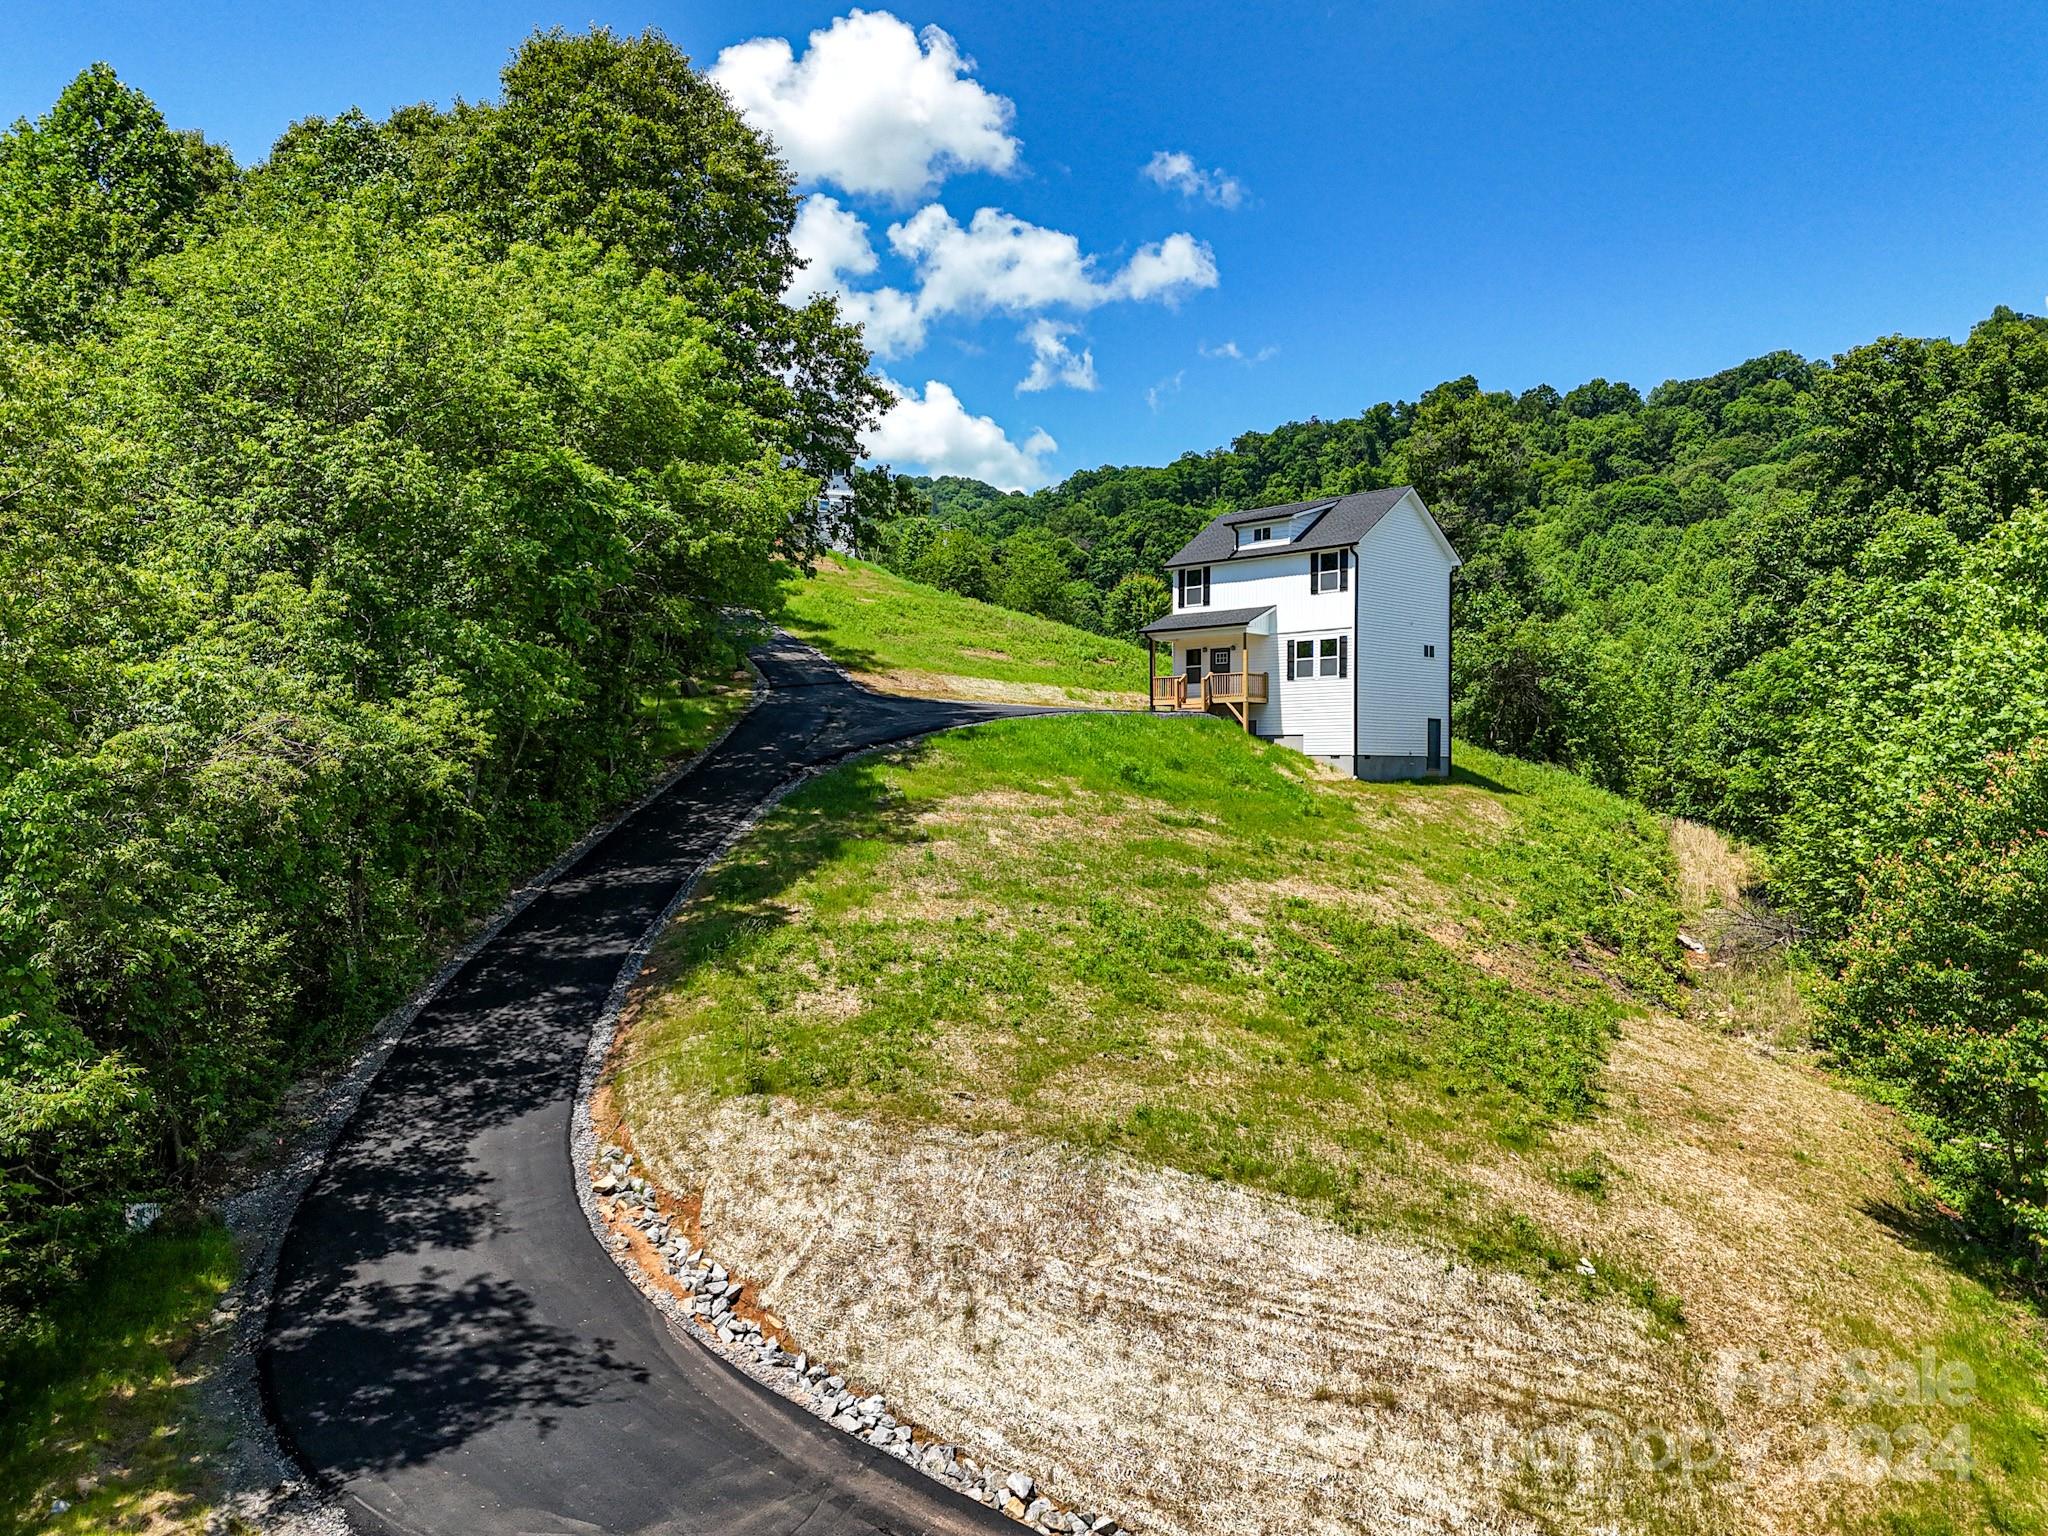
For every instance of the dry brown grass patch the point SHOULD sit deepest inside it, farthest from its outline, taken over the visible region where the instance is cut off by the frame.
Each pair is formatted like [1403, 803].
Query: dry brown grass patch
[1712, 870]
[947, 685]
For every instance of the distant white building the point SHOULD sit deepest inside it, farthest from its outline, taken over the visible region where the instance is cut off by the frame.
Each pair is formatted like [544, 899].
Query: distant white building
[1324, 625]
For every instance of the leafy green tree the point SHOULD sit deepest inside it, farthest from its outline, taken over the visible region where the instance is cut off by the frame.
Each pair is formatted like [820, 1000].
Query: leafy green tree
[395, 540]
[619, 139]
[1080, 604]
[320, 161]
[88, 192]
[1470, 458]
[959, 561]
[1944, 992]
[901, 544]
[880, 500]
[1035, 570]
[1133, 603]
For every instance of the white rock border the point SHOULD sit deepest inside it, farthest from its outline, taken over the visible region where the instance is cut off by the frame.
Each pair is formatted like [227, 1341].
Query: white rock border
[632, 1199]
[265, 1486]
[741, 1343]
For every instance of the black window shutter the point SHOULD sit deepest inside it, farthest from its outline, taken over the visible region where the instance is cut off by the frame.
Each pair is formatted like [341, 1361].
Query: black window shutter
[1344, 571]
[1181, 585]
[1315, 574]
[1343, 655]
[1290, 661]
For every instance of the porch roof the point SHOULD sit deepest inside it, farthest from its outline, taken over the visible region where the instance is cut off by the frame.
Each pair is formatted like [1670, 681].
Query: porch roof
[1191, 619]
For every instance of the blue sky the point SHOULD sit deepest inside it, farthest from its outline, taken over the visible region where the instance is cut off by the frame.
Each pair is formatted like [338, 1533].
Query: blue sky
[1374, 197]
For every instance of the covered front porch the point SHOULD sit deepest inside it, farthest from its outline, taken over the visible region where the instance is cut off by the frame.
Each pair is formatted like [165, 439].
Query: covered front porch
[1208, 662]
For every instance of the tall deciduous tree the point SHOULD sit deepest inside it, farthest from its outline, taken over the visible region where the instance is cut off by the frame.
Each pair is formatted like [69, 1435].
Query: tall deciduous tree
[96, 186]
[619, 139]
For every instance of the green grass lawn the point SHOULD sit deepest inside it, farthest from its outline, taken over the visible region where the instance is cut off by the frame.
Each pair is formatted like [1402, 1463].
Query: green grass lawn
[1447, 1011]
[1161, 936]
[910, 638]
[93, 1404]
[683, 723]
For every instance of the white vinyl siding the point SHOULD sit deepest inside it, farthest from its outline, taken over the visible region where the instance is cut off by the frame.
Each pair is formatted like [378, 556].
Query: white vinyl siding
[1314, 707]
[1386, 608]
[1279, 581]
[1318, 712]
[1402, 585]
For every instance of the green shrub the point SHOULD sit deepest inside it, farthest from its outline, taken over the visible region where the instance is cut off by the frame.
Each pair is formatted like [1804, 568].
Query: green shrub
[1943, 994]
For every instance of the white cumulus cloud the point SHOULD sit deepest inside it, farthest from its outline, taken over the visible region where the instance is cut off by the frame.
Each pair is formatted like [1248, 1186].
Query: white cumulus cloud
[888, 320]
[1176, 171]
[996, 263]
[936, 434]
[834, 246]
[872, 107]
[1177, 265]
[1000, 262]
[1053, 361]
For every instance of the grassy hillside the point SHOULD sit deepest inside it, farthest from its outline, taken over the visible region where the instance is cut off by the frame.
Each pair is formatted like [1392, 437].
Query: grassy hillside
[1148, 902]
[904, 637]
[1448, 1018]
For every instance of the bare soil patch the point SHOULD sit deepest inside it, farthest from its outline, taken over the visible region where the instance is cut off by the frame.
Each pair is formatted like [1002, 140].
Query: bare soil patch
[1191, 1356]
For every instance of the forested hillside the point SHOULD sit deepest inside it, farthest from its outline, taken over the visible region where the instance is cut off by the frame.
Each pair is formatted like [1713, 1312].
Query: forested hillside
[354, 505]
[1805, 601]
[352, 511]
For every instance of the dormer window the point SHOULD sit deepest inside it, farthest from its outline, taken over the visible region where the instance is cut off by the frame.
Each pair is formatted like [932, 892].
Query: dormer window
[1262, 533]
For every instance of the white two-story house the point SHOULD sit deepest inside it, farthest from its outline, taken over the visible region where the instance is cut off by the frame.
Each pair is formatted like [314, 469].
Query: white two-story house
[1324, 625]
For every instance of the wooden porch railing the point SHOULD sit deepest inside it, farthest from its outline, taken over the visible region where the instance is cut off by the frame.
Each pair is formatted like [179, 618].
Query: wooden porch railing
[1234, 688]
[1237, 691]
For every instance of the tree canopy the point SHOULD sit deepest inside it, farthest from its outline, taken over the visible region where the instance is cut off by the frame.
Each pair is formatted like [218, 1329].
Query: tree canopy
[88, 192]
[346, 528]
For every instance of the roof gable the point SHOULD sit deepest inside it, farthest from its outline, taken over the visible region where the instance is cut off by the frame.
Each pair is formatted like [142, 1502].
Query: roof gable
[1342, 521]
[1429, 522]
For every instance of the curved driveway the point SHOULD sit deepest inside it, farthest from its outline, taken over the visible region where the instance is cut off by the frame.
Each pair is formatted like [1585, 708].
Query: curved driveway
[449, 1349]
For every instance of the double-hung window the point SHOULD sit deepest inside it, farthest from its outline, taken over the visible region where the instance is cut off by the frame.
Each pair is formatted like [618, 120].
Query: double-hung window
[1194, 587]
[1329, 570]
[1321, 656]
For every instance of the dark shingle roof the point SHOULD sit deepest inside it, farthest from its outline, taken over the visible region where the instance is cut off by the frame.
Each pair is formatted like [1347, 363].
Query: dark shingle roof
[1344, 521]
[1204, 618]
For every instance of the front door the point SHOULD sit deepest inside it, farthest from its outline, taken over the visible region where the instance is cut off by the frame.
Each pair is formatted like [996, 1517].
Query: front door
[1194, 666]
[1220, 657]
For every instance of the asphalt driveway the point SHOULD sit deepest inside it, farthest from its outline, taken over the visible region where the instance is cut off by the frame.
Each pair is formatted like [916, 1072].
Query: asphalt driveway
[449, 1349]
